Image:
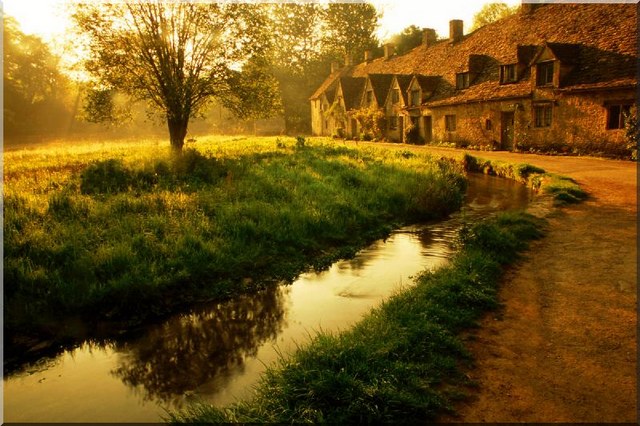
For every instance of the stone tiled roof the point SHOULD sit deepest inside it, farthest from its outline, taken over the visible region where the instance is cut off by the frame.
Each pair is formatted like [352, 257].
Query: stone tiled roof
[380, 84]
[352, 88]
[599, 40]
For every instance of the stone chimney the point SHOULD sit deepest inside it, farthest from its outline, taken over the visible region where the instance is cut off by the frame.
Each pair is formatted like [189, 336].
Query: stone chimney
[335, 66]
[368, 56]
[348, 60]
[429, 36]
[389, 49]
[456, 30]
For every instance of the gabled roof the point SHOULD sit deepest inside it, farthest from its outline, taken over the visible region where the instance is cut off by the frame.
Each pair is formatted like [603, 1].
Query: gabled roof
[428, 83]
[352, 88]
[380, 84]
[404, 80]
[564, 52]
[606, 56]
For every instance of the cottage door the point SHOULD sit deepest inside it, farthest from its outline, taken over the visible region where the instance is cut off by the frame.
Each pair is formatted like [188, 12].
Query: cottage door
[507, 125]
[428, 132]
[401, 127]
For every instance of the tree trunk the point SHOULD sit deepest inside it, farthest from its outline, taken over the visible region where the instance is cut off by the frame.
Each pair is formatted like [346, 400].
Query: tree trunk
[177, 132]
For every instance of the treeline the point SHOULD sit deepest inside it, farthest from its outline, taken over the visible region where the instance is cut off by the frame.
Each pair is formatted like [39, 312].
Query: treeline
[43, 101]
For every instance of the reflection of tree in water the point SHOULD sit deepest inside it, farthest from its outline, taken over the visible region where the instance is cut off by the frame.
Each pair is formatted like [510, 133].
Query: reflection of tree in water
[190, 350]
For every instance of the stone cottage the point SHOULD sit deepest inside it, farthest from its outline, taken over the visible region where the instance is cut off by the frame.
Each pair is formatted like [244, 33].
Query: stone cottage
[552, 77]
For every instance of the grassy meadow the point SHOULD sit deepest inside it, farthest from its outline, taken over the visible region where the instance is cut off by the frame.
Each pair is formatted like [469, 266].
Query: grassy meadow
[126, 231]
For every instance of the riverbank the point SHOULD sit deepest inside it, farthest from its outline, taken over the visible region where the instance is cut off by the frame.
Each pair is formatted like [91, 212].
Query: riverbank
[401, 362]
[126, 233]
[563, 347]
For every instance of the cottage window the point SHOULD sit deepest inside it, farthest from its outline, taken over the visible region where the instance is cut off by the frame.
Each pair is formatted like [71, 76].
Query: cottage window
[393, 123]
[450, 123]
[616, 115]
[395, 96]
[369, 98]
[462, 80]
[488, 125]
[415, 98]
[544, 73]
[542, 115]
[507, 73]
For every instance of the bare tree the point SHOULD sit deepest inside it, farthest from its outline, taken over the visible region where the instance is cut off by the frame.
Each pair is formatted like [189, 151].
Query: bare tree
[179, 56]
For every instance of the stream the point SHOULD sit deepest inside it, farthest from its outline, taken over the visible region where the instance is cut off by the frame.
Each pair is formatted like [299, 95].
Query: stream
[216, 353]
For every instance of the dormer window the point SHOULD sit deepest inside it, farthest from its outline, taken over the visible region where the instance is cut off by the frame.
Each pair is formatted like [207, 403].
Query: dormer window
[415, 98]
[462, 80]
[369, 97]
[395, 96]
[544, 73]
[507, 73]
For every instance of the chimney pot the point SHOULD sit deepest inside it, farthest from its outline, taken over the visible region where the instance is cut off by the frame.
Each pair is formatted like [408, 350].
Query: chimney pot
[429, 37]
[456, 30]
[335, 66]
[388, 50]
[368, 56]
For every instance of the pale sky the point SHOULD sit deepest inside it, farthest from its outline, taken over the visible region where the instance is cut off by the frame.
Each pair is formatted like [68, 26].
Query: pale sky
[47, 17]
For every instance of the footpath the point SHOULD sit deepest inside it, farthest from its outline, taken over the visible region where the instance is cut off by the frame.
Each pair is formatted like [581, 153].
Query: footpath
[563, 346]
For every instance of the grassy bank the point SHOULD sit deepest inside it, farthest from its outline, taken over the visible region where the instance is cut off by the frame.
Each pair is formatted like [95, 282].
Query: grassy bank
[563, 189]
[402, 361]
[126, 232]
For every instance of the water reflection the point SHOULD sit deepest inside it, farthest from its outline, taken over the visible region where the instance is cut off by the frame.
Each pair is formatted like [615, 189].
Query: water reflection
[175, 358]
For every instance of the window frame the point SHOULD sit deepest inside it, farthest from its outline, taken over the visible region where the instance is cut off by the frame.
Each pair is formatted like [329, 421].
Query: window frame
[393, 122]
[624, 107]
[546, 69]
[450, 123]
[395, 96]
[508, 77]
[543, 115]
[463, 80]
[415, 98]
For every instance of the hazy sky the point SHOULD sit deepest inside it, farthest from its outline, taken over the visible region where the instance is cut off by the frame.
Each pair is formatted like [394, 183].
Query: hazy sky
[47, 18]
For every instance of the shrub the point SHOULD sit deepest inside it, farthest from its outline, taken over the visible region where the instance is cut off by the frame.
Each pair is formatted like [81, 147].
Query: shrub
[105, 177]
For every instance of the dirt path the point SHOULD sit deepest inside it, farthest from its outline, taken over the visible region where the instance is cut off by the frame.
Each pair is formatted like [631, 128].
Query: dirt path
[563, 347]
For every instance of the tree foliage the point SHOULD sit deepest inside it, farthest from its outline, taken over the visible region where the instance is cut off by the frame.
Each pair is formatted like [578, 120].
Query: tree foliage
[36, 94]
[406, 40]
[179, 56]
[491, 12]
[307, 37]
[349, 28]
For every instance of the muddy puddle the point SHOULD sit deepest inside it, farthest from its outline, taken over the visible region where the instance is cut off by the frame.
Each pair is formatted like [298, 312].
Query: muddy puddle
[216, 353]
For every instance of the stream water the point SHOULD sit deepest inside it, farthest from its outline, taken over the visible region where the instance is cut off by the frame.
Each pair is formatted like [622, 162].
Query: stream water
[216, 353]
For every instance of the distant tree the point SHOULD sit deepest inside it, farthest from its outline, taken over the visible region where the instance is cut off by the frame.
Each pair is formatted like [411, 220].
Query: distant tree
[491, 12]
[406, 40]
[350, 29]
[36, 93]
[178, 56]
[307, 37]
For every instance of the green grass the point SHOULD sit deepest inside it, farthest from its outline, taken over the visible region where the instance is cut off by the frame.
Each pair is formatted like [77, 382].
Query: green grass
[402, 362]
[126, 232]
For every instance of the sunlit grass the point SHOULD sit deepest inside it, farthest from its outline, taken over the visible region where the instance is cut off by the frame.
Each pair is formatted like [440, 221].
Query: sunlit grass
[127, 231]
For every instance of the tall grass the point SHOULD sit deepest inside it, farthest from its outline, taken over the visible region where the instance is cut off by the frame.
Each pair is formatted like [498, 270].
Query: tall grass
[401, 363]
[127, 232]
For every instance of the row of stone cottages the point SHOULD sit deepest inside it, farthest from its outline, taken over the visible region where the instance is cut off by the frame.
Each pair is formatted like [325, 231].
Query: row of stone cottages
[553, 77]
